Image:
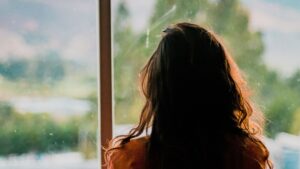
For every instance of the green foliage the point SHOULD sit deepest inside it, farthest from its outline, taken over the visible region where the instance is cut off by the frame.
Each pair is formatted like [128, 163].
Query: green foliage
[129, 57]
[89, 129]
[279, 97]
[23, 133]
[295, 128]
[294, 82]
[280, 114]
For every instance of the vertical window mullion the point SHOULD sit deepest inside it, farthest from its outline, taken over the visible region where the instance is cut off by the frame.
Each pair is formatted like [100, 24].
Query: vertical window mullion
[106, 116]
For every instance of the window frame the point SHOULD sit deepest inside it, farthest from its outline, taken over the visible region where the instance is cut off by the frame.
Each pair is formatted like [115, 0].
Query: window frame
[105, 68]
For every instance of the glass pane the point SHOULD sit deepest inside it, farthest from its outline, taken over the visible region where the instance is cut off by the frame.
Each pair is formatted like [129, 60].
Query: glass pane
[48, 82]
[263, 37]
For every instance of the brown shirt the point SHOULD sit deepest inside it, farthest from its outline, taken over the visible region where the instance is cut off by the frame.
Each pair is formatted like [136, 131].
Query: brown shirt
[132, 156]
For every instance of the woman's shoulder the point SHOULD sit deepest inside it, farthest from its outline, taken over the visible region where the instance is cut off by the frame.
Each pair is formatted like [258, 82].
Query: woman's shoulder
[251, 152]
[138, 143]
[135, 146]
[257, 153]
[130, 155]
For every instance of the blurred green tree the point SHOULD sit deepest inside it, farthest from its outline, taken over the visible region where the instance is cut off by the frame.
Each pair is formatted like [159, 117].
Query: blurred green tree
[23, 133]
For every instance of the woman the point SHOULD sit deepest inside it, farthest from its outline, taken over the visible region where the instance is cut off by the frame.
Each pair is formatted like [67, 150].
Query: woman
[198, 109]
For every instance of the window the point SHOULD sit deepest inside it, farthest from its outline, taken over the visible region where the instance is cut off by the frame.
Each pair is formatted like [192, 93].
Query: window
[263, 36]
[49, 64]
[48, 80]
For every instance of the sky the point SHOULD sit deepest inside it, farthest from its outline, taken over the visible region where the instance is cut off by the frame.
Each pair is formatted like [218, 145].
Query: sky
[279, 22]
[29, 28]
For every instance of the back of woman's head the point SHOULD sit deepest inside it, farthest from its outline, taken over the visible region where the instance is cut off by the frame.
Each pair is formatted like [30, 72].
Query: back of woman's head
[189, 82]
[195, 101]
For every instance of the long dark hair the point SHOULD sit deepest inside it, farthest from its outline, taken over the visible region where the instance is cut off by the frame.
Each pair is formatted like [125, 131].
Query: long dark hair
[197, 105]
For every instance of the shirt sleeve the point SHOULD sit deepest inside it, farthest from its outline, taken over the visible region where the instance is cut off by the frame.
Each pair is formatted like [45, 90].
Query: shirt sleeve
[118, 160]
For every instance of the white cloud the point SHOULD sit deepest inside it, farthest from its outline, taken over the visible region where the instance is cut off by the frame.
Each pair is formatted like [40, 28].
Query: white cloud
[140, 12]
[79, 47]
[13, 44]
[273, 17]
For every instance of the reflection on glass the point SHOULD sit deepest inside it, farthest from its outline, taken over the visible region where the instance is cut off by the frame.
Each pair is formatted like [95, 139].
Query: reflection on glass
[48, 82]
[257, 34]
